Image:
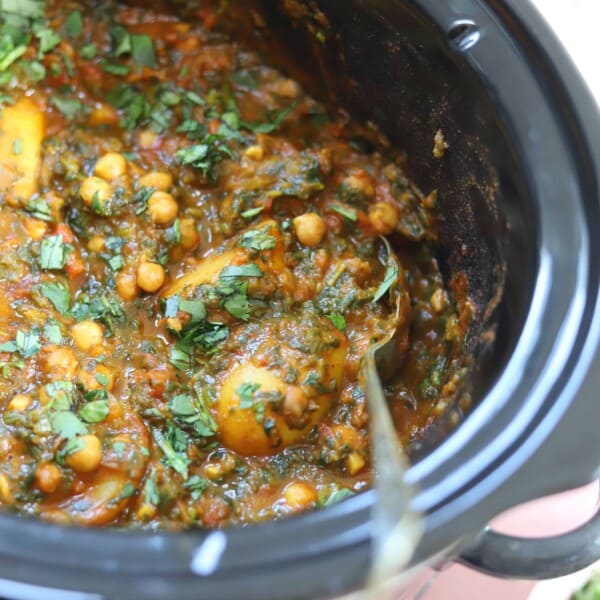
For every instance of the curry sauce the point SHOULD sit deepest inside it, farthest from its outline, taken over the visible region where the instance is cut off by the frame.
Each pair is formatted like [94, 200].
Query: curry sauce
[194, 259]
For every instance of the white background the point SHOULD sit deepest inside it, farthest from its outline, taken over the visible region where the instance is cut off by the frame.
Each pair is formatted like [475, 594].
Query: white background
[576, 22]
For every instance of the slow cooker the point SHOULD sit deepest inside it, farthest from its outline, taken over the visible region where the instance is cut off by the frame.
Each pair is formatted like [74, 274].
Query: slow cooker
[519, 195]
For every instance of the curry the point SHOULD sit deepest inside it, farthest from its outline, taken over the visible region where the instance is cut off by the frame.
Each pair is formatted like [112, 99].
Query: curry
[195, 256]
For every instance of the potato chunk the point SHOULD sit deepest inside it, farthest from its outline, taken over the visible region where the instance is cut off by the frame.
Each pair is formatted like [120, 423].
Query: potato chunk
[206, 272]
[254, 414]
[209, 268]
[21, 134]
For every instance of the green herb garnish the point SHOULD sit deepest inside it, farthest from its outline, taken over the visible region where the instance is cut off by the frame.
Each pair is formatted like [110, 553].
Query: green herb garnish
[95, 411]
[54, 253]
[58, 294]
[74, 24]
[339, 322]
[391, 275]
[65, 424]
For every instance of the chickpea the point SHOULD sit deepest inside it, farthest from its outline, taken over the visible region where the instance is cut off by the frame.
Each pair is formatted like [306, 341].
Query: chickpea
[48, 477]
[157, 180]
[87, 456]
[359, 182]
[96, 243]
[295, 402]
[110, 166]
[310, 229]
[287, 88]
[96, 378]
[87, 335]
[146, 512]
[220, 468]
[19, 403]
[300, 495]
[383, 217]
[189, 235]
[56, 203]
[255, 152]
[95, 190]
[35, 228]
[150, 276]
[438, 300]
[147, 138]
[127, 286]
[354, 463]
[162, 208]
[59, 362]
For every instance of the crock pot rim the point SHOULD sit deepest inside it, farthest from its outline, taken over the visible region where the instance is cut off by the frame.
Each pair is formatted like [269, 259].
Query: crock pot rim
[353, 515]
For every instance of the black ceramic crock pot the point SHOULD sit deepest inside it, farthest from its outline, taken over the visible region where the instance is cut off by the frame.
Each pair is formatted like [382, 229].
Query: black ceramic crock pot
[519, 193]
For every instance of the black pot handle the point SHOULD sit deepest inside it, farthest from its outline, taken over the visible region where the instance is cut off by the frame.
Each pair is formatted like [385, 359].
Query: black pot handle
[544, 558]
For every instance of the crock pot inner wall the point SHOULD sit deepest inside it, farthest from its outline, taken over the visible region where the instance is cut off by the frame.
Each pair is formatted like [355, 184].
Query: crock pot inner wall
[385, 62]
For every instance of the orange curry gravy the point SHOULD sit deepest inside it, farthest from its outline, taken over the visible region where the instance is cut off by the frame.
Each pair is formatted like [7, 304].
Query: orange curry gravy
[193, 261]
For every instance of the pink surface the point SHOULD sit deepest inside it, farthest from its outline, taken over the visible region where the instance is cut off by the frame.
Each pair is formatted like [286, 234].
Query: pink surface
[549, 516]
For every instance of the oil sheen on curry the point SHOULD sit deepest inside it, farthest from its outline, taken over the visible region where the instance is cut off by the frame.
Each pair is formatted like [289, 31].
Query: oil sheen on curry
[195, 256]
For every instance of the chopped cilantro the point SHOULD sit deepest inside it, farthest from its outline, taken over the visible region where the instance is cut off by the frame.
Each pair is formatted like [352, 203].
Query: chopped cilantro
[246, 393]
[119, 448]
[121, 40]
[206, 155]
[271, 125]
[61, 395]
[180, 356]
[116, 262]
[48, 40]
[257, 240]
[173, 233]
[195, 308]
[391, 275]
[34, 69]
[143, 52]
[237, 305]
[54, 253]
[89, 51]
[94, 411]
[69, 107]
[234, 271]
[9, 51]
[151, 491]
[335, 497]
[252, 212]
[197, 485]
[26, 344]
[103, 307]
[339, 322]
[17, 146]
[74, 24]
[193, 129]
[347, 213]
[58, 294]
[114, 68]
[141, 199]
[127, 491]
[178, 461]
[102, 379]
[250, 398]
[25, 9]
[204, 334]
[52, 333]
[38, 208]
[65, 424]
[69, 66]
[244, 79]
[192, 410]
